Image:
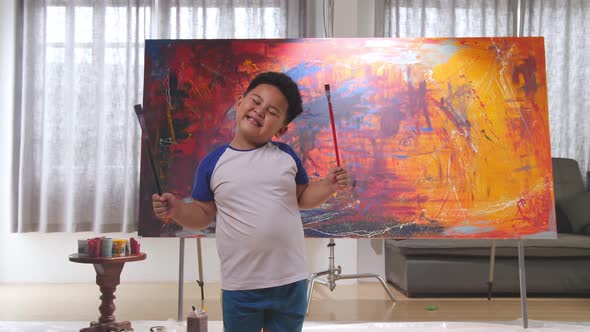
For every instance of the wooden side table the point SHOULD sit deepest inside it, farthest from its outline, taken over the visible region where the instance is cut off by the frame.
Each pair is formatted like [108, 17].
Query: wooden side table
[108, 273]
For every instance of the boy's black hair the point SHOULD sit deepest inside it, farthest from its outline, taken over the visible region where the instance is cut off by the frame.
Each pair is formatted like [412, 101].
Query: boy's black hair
[287, 87]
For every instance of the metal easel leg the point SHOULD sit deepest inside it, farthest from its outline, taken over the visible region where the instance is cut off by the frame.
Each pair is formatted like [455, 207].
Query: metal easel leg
[491, 275]
[522, 278]
[201, 281]
[180, 278]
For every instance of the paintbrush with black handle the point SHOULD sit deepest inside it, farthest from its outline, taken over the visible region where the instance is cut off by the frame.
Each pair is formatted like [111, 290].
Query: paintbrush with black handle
[148, 147]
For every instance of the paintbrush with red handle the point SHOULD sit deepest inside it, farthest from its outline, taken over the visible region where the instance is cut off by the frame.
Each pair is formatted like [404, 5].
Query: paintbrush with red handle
[327, 88]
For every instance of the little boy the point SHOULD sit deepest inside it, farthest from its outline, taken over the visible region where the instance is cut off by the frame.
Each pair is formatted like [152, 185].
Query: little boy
[254, 188]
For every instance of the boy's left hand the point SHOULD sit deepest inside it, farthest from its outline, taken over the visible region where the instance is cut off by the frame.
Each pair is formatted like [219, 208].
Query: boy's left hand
[338, 178]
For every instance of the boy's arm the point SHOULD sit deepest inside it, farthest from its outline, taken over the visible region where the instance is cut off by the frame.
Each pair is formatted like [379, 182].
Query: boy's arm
[193, 214]
[312, 195]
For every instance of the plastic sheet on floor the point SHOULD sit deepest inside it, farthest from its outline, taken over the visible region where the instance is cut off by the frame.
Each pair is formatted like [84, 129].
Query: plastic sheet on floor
[214, 326]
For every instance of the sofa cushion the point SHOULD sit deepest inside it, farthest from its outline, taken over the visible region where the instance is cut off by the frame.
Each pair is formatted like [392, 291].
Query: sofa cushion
[577, 210]
[566, 245]
[567, 178]
[561, 221]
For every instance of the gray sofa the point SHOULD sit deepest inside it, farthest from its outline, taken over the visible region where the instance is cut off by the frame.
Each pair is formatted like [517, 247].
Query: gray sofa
[561, 267]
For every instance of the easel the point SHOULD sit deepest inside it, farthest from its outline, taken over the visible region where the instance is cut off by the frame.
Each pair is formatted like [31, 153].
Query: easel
[521, 277]
[200, 281]
[518, 31]
[334, 274]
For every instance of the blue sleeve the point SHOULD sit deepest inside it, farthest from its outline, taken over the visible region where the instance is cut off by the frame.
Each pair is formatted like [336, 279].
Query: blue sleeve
[202, 184]
[301, 176]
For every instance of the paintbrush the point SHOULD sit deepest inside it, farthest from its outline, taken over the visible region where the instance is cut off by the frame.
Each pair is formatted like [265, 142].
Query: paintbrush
[327, 88]
[148, 147]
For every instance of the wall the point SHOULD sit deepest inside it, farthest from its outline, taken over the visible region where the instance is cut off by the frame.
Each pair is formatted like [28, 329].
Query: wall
[7, 31]
[42, 258]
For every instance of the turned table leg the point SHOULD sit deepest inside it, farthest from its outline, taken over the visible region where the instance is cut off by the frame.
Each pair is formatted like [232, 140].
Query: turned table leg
[107, 279]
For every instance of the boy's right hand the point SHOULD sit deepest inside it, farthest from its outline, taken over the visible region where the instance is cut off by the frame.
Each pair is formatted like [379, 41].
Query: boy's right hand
[166, 206]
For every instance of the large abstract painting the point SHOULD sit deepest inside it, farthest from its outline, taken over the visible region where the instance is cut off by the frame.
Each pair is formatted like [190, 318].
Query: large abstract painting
[444, 138]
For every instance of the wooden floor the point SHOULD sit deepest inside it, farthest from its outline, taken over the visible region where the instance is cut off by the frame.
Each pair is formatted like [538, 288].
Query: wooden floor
[347, 303]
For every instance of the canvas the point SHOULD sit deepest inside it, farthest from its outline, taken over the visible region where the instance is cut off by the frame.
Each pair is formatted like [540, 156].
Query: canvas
[443, 138]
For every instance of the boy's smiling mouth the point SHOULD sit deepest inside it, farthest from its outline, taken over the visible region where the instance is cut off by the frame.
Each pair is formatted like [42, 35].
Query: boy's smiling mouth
[253, 120]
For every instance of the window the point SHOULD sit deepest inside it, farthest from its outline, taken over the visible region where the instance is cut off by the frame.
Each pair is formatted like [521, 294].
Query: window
[82, 72]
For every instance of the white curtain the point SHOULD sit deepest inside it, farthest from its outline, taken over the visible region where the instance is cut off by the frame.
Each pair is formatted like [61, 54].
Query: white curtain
[563, 23]
[565, 26]
[448, 18]
[81, 72]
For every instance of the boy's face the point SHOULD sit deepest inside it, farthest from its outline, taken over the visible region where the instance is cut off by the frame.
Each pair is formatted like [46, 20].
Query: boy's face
[261, 114]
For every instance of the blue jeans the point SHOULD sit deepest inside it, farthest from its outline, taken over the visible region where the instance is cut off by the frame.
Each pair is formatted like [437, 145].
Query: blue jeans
[279, 309]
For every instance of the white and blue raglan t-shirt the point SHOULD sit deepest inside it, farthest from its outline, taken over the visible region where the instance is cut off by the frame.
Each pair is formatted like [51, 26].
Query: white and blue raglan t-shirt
[259, 231]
